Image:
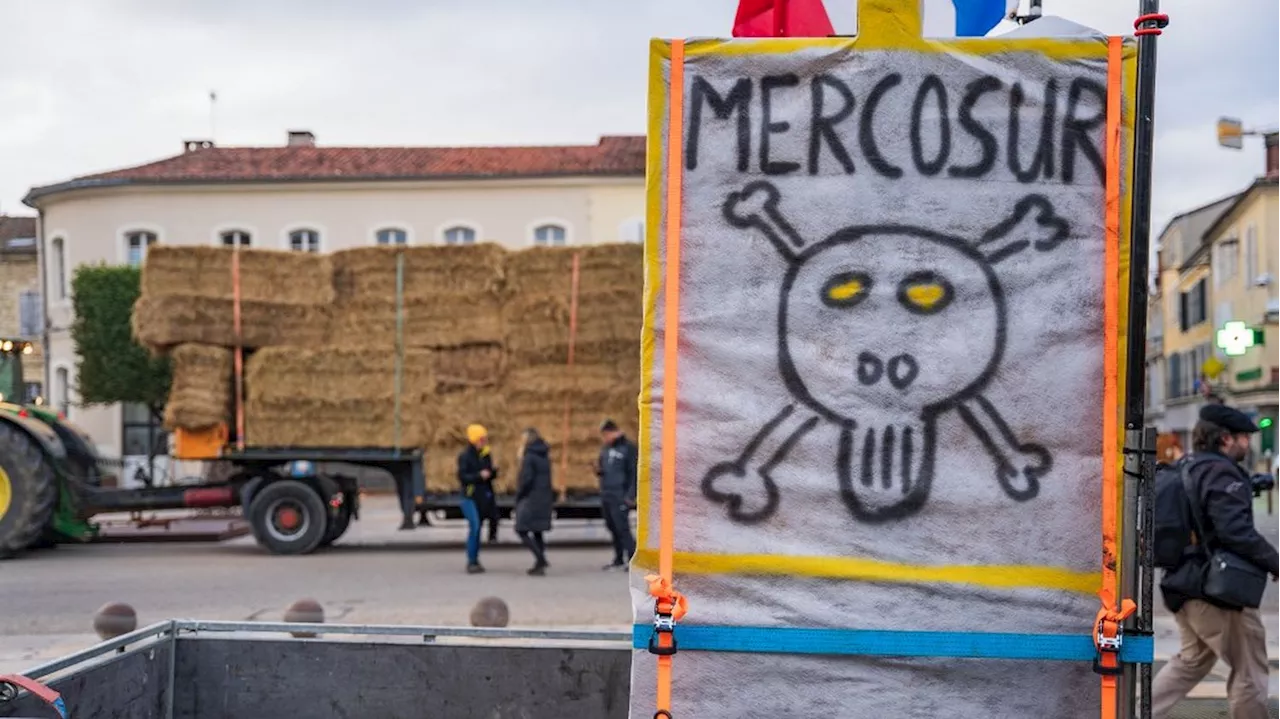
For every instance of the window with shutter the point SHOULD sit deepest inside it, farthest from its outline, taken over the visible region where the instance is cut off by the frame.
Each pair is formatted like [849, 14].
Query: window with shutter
[30, 314]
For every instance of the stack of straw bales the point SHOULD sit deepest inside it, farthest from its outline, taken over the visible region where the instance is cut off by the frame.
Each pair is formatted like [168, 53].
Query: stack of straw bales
[486, 337]
[201, 393]
[187, 296]
[604, 379]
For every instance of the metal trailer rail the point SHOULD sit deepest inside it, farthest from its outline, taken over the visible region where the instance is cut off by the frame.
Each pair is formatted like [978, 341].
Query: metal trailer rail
[185, 669]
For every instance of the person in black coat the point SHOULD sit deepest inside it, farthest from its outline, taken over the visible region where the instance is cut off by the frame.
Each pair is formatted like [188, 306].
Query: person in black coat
[617, 469]
[1219, 489]
[534, 498]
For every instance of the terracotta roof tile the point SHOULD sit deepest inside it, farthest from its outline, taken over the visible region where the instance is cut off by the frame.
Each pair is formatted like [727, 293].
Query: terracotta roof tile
[612, 156]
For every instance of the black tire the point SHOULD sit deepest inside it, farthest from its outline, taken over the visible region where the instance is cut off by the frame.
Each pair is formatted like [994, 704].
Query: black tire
[288, 517]
[30, 494]
[337, 526]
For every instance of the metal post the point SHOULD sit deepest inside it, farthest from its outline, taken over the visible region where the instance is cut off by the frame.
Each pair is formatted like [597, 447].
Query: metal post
[1136, 580]
[239, 357]
[399, 381]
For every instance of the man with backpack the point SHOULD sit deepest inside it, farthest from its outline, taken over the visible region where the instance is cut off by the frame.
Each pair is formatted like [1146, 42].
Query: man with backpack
[1215, 564]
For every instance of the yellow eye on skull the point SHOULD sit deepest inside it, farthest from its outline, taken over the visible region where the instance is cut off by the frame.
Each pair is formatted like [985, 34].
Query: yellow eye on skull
[846, 289]
[925, 293]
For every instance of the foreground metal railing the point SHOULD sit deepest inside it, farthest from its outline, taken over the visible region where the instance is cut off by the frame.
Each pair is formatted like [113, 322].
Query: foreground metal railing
[166, 635]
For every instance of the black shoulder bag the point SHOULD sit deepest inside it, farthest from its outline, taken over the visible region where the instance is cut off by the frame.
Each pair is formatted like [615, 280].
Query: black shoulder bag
[1229, 579]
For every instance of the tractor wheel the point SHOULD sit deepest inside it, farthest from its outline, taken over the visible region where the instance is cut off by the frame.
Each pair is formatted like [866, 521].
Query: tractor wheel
[337, 526]
[288, 517]
[28, 491]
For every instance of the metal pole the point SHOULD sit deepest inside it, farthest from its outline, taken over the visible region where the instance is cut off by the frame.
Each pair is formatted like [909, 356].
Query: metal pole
[399, 342]
[239, 357]
[1137, 580]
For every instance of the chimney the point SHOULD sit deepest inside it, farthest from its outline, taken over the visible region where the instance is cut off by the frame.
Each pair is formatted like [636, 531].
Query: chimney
[1272, 138]
[194, 145]
[301, 138]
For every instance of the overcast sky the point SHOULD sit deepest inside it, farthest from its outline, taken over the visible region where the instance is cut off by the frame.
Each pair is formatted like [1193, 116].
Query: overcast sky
[91, 85]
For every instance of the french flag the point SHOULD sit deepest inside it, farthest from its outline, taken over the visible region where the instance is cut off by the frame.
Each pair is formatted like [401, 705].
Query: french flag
[964, 18]
[808, 18]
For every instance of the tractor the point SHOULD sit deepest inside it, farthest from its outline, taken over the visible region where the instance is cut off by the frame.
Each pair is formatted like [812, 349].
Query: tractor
[47, 465]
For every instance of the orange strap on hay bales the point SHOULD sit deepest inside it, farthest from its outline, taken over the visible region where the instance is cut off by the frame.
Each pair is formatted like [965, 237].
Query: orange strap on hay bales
[669, 605]
[573, 338]
[1108, 630]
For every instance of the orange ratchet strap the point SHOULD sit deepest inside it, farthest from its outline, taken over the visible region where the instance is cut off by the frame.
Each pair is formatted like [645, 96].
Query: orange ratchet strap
[1108, 634]
[669, 605]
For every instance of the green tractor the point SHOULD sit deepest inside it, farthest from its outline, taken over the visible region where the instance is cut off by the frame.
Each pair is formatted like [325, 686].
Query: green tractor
[47, 466]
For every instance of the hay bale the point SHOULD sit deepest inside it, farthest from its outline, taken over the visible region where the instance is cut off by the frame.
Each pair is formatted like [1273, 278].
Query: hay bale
[337, 397]
[608, 331]
[265, 275]
[162, 321]
[444, 320]
[200, 395]
[472, 366]
[544, 389]
[334, 375]
[549, 270]
[369, 273]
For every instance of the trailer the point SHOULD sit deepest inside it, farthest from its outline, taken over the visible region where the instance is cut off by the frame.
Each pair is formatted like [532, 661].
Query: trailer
[295, 499]
[207, 670]
[183, 669]
[298, 499]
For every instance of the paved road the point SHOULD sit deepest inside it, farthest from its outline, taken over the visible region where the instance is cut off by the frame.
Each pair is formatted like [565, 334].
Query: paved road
[374, 575]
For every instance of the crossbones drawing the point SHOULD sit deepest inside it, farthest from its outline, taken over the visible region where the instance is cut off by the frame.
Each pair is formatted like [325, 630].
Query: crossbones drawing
[859, 370]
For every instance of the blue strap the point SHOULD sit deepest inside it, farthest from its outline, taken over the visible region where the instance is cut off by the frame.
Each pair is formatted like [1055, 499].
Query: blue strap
[884, 643]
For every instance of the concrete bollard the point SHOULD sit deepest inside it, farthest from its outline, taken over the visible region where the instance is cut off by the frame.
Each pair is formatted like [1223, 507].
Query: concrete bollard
[490, 612]
[304, 611]
[114, 619]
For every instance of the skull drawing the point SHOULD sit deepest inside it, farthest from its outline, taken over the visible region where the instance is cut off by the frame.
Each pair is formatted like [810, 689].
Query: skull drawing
[913, 324]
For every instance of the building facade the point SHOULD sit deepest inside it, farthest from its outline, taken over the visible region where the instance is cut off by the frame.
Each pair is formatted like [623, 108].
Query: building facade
[307, 198]
[1180, 333]
[21, 309]
[1243, 245]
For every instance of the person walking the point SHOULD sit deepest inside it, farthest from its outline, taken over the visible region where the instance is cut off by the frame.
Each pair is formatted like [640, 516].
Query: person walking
[476, 473]
[616, 469]
[534, 498]
[1219, 492]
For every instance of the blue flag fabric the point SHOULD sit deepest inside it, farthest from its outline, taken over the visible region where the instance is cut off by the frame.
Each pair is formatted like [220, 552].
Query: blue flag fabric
[975, 18]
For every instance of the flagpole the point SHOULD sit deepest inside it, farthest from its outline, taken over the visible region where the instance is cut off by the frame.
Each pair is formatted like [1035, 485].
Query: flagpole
[1137, 573]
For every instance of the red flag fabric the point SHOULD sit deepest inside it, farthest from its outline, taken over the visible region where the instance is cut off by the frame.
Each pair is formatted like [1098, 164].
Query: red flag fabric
[782, 18]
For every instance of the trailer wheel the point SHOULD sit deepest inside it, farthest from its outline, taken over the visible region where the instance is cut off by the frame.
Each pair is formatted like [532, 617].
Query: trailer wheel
[337, 526]
[28, 491]
[288, 517]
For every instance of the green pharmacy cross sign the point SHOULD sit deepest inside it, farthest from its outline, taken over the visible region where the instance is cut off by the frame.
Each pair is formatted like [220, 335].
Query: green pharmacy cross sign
[1235, 338]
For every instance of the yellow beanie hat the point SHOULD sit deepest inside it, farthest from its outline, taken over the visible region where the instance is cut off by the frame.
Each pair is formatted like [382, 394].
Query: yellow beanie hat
[476, 432]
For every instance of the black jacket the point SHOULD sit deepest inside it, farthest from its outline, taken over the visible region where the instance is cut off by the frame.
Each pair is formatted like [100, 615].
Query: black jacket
[470, 464]
[617, 470]
[535, 499]
[1222, 491]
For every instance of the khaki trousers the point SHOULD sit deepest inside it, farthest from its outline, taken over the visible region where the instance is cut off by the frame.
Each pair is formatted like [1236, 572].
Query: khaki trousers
[1208, 634]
